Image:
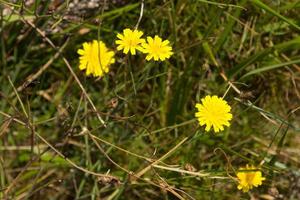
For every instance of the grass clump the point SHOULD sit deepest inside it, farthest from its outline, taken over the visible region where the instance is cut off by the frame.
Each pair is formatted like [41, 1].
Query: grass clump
[126, 128]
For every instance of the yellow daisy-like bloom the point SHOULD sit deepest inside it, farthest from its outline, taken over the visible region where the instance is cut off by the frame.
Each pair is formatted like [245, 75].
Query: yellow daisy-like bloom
[95, 57]
[213, 112]
[248, 177]
[130, 41]
[157, 49]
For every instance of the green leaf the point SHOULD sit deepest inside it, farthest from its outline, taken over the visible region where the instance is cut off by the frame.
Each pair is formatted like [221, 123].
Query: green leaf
[15, 17]
[270, 67]
[291, 44]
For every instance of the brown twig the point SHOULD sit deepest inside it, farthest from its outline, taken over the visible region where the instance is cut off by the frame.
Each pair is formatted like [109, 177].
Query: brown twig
[143, 171]
[68, 66]
[33, 77]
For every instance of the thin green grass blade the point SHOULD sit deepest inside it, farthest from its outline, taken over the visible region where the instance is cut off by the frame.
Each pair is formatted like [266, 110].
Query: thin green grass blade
[221, 4]
[228, 28]
[273, 12]
[292, 5]
[270, 67]
[113, 13]
[269, 114]
[14, 17]
[119, 11]
[291, 44]
[207, 49]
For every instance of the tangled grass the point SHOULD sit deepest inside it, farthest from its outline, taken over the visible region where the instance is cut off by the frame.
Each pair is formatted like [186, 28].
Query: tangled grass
[132, 133]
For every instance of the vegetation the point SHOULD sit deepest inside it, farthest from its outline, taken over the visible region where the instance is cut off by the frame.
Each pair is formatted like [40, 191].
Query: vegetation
[132, 133]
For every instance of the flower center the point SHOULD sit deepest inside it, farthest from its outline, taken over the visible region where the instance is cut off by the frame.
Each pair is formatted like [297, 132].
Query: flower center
[156, 48]
[249, 177]
[132, 42]
[213, 114]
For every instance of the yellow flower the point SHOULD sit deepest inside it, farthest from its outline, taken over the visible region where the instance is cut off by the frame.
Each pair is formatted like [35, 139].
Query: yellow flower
[213, 112]
[130, 40]
[249, 177]
[157, 49]
[95, 57]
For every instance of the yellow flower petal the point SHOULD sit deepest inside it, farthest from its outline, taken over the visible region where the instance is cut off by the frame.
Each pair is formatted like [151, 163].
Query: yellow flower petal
[95, 58]
[120, 36]
[157, 49]
[130, 41]
[213, 112]
[248, 177]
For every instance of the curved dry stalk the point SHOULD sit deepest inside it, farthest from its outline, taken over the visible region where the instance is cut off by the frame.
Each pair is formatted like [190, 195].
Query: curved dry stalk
[34, 76]
[119, 148]
[72, 163]
[110, 177]
[68, 66]
[143, 171]
[141, 14]
[165, 186]
[199, 174]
